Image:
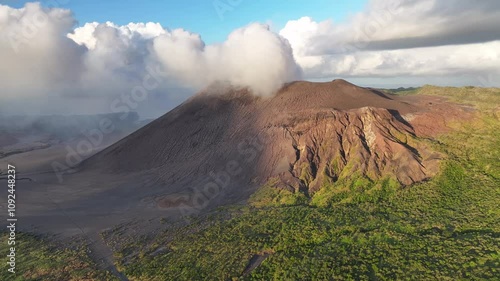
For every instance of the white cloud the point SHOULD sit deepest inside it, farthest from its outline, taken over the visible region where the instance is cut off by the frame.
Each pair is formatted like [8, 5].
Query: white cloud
[401, 24]
[85, 35]
[300, 33]
[402, 38]
[34, 55]
[252, 55]
[49, 59]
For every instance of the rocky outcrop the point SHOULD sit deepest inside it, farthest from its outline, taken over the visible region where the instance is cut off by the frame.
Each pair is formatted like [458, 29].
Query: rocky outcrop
[367, 142]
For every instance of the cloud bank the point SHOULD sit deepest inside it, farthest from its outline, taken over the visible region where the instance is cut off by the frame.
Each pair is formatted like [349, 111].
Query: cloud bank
[404, 38]
[44, 57]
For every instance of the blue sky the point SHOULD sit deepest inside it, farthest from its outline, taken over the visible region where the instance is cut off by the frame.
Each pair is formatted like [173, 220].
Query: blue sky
[200, 16]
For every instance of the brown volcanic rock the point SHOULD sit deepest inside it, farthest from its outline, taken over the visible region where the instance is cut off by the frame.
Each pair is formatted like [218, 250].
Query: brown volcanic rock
[436, 115]
[364, 142]
[307, 134]
[338, 94]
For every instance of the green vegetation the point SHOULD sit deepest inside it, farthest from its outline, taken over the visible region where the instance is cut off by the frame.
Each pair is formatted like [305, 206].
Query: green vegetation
[402, 91]
[483, 98]
[268, 196]
[38, 259]
[355, 229]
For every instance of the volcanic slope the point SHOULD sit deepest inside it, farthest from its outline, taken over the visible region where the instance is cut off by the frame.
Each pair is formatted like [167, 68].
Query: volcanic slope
[306, 135]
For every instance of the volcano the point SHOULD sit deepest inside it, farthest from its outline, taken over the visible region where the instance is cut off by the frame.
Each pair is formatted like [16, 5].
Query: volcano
[304, 136]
